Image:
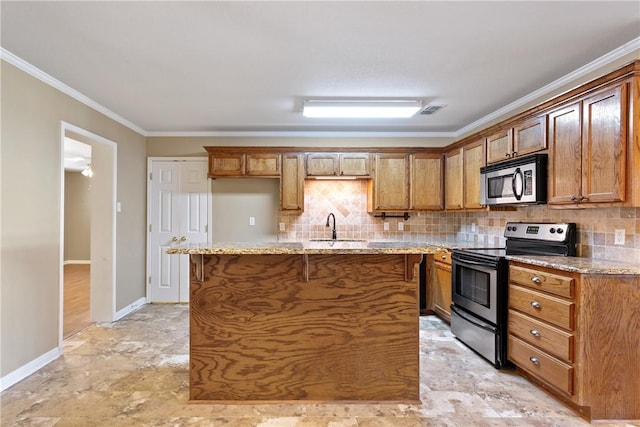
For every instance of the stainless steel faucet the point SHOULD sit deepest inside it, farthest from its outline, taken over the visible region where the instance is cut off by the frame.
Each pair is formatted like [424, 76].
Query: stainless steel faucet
[334, 236]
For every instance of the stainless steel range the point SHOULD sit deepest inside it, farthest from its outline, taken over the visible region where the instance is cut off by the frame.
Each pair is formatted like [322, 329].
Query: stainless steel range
[479, 284]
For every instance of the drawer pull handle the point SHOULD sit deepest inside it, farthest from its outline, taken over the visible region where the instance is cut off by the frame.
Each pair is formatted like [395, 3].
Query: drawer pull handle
[534, 360]
[535, 333]
[535, 304]
[536, 279]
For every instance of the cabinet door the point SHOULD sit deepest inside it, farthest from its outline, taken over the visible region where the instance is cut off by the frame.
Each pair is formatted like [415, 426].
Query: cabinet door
[391, 182]
[499, 146]
[473, 156]
[355, 164]
[226, 164]
[604, 146]
[441, 285]
[565, 139]
[263, 164]
[530, 136]
[292, 183]
[453, 179]
[322, 164]
[427, 181]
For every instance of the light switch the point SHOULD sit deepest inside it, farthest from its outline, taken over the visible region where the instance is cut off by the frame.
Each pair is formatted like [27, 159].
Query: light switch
[282, 226]
[401, 226]
[118, 207]
[386, 226]
[619, 237]
[252, 220]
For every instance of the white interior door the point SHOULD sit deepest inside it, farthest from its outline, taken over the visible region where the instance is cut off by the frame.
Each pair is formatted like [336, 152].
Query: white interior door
[194, 215]
[178, 214]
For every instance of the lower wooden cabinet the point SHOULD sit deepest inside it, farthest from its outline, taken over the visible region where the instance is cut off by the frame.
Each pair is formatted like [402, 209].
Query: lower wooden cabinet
[578, 336]
[439, 288]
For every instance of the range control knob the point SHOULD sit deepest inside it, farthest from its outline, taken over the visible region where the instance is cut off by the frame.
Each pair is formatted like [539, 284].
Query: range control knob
[514, 228]
[560, 231]
[552, 231]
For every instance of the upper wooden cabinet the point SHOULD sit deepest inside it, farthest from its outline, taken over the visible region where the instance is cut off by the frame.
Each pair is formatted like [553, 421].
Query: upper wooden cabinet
[224, 164]
[453, 179]
[426, 181]
[292, 182]
[525, 137]
[462, 176]
[389, 188]
[473, 158]
[588, 149]
[338, 164]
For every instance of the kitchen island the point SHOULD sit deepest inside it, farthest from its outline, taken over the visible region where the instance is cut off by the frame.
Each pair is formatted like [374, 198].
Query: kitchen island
[312, 321]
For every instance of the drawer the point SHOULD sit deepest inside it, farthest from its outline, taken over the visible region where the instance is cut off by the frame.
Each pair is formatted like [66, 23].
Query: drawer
[552, 340]
[554, 310]
[540, 364]
[547, 282]
[443, 257]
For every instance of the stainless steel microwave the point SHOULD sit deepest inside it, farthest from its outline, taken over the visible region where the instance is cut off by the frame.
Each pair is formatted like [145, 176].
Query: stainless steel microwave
[514, 182]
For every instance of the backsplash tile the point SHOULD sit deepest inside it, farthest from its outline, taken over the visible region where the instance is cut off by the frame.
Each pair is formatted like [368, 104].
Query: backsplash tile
[348, 202]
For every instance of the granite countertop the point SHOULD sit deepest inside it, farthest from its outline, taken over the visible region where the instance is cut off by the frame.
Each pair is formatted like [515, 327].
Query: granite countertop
[308, 247]
[578, 265]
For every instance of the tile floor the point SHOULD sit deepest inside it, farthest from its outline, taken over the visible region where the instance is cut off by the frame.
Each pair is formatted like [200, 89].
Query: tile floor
[135, 372]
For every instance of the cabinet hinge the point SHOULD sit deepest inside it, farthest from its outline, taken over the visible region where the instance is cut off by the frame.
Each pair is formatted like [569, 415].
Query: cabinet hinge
[150, 176]
[149, 279]
[206, 228]
[149, 228]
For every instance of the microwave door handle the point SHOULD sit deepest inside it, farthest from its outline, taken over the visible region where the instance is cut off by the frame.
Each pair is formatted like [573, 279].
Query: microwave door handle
[517, 195]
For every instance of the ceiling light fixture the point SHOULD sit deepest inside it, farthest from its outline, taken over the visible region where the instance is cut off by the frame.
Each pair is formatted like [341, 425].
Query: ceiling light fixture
[360, 109]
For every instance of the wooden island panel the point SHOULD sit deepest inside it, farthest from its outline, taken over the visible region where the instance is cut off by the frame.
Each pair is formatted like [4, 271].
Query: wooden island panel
[311, 327]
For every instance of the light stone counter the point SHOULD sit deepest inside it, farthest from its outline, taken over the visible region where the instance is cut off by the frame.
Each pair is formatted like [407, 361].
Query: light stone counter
[314, 247]
[578, 265]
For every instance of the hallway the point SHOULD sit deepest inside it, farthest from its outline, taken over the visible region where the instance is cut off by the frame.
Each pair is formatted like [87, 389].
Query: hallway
[135, 372]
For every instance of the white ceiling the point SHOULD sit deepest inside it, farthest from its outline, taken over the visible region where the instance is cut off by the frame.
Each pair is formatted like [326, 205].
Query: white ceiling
[241, 66]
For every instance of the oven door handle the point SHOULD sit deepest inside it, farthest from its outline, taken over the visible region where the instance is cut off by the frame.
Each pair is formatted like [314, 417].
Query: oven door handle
[484, 326]
[466, 261]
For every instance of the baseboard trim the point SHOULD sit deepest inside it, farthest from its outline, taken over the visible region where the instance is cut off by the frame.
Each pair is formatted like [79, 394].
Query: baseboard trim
[77, 261]
[28, 369]
[130, 308]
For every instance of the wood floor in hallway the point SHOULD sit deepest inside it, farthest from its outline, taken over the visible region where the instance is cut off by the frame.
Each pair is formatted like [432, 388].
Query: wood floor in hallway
[77, 286]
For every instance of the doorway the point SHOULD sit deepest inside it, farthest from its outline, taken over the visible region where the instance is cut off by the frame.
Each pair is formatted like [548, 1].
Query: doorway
[101, 201]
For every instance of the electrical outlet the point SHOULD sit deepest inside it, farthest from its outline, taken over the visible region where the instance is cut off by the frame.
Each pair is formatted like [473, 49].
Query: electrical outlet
[618, 237]
[386, 226]
[401, 226]
[473, 227]
[252, 220]
[282, 226]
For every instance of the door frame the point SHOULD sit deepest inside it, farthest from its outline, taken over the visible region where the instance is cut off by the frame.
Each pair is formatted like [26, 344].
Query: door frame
[150, 161]
[103, 286]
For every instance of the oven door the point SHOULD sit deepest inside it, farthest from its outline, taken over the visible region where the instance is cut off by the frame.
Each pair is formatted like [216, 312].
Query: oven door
[474, 285]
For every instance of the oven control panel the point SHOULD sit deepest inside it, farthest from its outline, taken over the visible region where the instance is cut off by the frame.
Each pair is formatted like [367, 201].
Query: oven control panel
[555, 232]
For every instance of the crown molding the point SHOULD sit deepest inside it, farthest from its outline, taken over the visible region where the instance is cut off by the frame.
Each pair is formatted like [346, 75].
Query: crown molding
[304, 134]
[627, 48]
[34, 71]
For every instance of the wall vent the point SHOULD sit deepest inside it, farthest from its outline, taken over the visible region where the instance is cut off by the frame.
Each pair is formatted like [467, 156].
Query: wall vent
[431, 109]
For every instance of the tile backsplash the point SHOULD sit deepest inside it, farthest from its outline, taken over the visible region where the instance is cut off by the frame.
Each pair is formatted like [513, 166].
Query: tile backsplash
[348, 202]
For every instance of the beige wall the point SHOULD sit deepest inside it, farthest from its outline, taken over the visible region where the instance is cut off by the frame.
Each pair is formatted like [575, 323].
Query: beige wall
[32, 112]
[77, 217]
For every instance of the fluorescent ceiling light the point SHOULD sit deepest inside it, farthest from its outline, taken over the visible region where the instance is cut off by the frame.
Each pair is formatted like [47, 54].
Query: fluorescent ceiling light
[360, 109]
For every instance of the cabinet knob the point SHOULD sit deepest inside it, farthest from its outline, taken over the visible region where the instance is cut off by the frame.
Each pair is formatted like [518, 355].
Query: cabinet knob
[174, 239]
[574, 198]
[515, 153]
[534, 360]
[183, 238]
[535, 333]
[536, 279]
[443, 256]
[507, 155]
[535, 304]
[583, 198]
